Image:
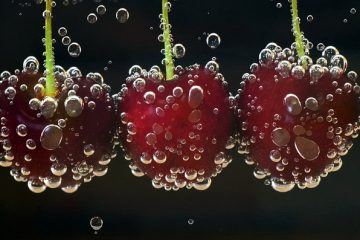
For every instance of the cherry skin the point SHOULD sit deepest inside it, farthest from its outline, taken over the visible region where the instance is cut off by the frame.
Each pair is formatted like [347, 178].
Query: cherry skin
[56, 142]
[177, 132]
[296, 124]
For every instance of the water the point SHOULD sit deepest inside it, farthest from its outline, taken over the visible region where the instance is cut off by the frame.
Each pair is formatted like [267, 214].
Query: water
[236, 205]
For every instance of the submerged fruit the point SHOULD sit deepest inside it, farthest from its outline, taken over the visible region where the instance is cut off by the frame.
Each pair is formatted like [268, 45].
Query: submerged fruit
[176, 132]
[296, 121]
[59, 141]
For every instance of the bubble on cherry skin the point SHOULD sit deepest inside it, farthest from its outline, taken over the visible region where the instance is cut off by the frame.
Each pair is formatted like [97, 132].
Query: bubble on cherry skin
[191, 221]
[213, 40]
[122, 15]
[266, 57]
[31, 65]
[51, 137]
[149, 97]
[280, 137]
[292, 104]
[96, 223]
[212, 66]
[139, 85]
[21, 130]
[135, 69]
[89, 150]
[74, 49]
[196, 96]
[48, 107]
[74, 106]
[280, 186]
[311, 104]
[306, 148]
[159, 157]
[353, 10]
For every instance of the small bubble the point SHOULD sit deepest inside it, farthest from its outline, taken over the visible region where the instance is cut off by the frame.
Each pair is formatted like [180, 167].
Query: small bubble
[279, 5]
[310, 18]
[179, 50]
[92, 18]
[191, 221]
[320, 47]
[74, 49]
[96, 223]
[213, 40]
[353, 10]
[101, 10]
[66, 40]
[62, 31]
[122, 15]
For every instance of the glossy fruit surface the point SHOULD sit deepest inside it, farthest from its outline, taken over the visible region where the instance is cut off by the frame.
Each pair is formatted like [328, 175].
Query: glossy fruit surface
[177, 132]
[297, 120]
[59, 141]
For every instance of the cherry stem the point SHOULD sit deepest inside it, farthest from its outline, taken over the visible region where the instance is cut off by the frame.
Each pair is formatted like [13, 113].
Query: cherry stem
[50, 89]
[297, 31]
[169, 62]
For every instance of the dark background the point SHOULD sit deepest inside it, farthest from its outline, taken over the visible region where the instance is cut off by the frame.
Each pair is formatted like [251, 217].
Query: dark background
[237, 206]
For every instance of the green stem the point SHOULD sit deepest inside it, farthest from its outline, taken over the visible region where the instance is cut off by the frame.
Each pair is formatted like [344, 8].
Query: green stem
[50, 89]
[297, 31]
[169, 62]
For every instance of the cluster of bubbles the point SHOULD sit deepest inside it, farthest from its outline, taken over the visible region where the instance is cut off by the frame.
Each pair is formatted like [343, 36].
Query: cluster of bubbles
[74, 48]
[288, 65]
[177, 177]
[213, 40]
[122, 14]
[310, 17]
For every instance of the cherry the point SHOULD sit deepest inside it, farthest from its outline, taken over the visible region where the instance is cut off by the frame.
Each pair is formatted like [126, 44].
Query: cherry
[168, 125]
[297, 117]
[56, 142]
[57, 129]
[170, 130]
[297, 123]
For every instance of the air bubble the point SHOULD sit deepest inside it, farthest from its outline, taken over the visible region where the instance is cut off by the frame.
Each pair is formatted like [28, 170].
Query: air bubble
[92, 18]
[179, 50]
[196, 96]
[310, 18]
[62, 31]
[51, 137]
[74, 49]
[293, 104]
[66, 40]
[31, 65]
[122, 15]
[213, 40]
[101, 10]
[74, 106]
[96, 223]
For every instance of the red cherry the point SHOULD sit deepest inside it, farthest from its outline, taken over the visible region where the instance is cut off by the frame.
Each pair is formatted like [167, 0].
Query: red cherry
[296, 124]
[177, 132]
[56, 142]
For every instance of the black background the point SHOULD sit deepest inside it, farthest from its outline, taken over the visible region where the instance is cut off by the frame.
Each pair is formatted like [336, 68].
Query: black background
[237, 206]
